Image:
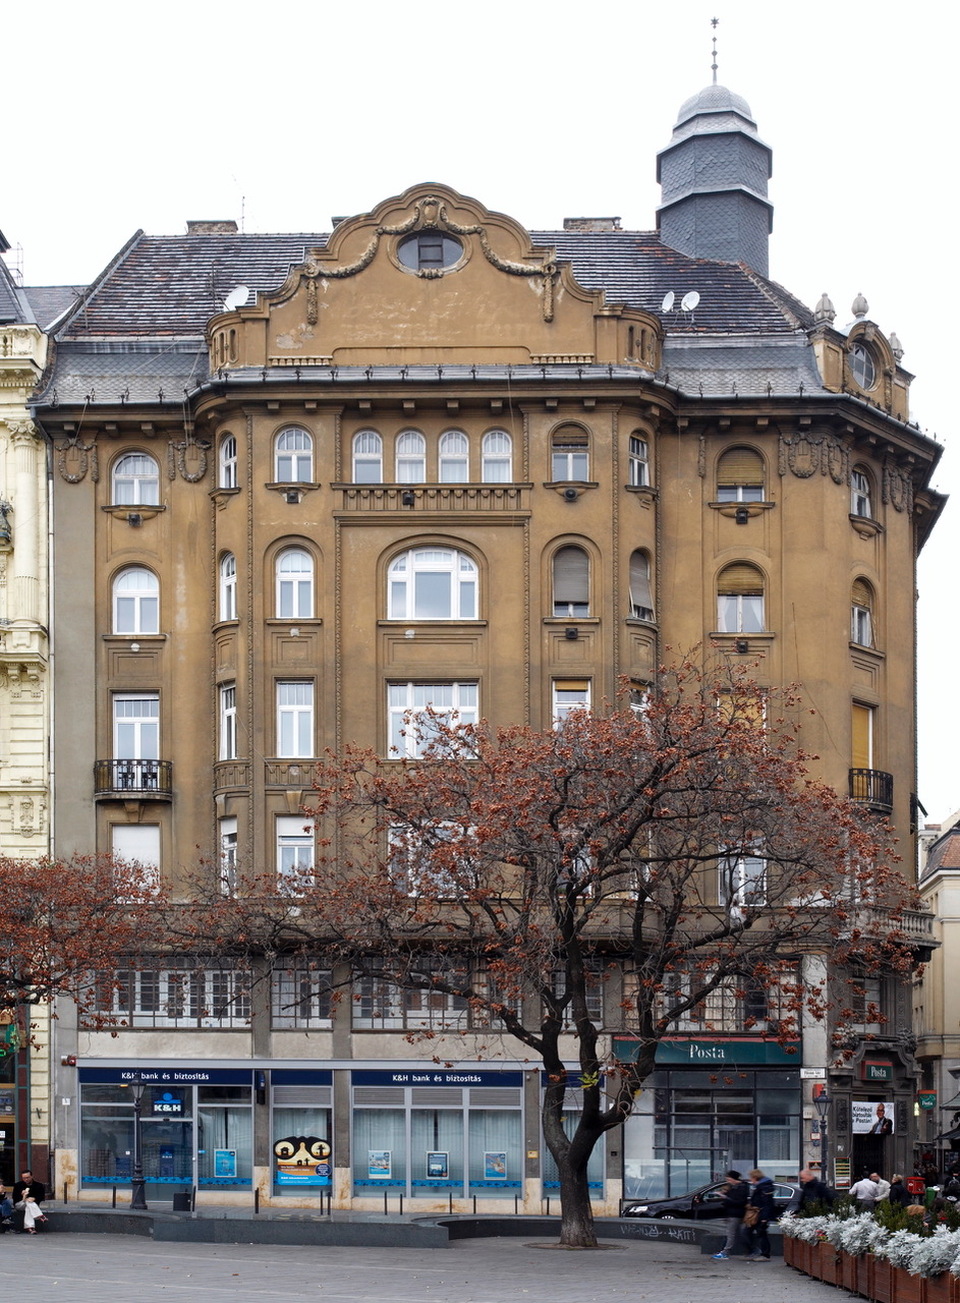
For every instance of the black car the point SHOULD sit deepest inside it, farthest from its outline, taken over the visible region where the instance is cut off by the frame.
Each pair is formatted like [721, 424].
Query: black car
[707, 1201]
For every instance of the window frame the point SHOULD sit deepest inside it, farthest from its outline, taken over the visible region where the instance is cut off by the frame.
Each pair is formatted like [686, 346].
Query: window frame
[490, 460]
[402, 587]
[741, 611]
[569, 454]
[227, 749]
[297, 585]
[295, 720]
[295, 833]
[127, 487]
[141, 599]
[641, 586]
[577, 606]
[742, 881]
[228, 840]
[448, 462]
[404, 720]
[861, 494]
[141, 743]
[228, 471]
[372, 457]
[638, 453]
[410, 467]
[299, 456]
[227, 598]
[580, 691]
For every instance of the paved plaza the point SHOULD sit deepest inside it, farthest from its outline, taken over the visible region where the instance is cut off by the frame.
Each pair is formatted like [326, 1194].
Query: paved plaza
[128, 1269]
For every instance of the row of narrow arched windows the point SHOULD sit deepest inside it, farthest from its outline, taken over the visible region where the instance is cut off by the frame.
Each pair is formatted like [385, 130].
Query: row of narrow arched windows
[441, 583]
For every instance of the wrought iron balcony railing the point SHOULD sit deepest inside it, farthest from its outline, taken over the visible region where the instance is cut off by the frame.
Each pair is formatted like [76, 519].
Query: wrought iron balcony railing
[872, 787]
[145, 779]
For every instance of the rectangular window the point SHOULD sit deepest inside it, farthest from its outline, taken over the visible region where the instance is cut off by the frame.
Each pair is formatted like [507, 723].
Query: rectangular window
[175, 995]
[740, 612]
[227, 829]
[295, 852]
[295, 733]
[639, 462]
[743, 881]
[301, 998]
[862, 728]
[410, 731]
[136, 726]
[228, 722]
[569, 695]
[381, 1005]
[138, 843]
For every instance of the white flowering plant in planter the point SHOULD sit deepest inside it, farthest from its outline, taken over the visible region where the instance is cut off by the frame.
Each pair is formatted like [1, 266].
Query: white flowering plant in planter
[809, 1229]
[859, 1234]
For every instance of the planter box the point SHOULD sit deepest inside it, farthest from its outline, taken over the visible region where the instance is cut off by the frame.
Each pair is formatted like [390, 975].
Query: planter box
[907, 1288]
[866, 1270]
[847, 1271]
[882, 1280]
[792, 1256]
[942, 1289]
[828, 1265]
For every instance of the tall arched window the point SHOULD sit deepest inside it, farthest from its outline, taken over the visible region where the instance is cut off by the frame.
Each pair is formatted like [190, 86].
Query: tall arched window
[228, 462]
[740, 600]
[294, 456]
[740, 476]
[136, 601]
[454, 458]
[570, 454]
[571, 582]
[294, 584]
[411, 458]
[367, 457]
[432, 583]
[861, 613]
[228, 586]
[136, 480]
[641, 594]
[497, 457]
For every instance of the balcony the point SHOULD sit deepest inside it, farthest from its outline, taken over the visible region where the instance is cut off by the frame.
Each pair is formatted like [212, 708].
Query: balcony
[150, 780]
[874, 788]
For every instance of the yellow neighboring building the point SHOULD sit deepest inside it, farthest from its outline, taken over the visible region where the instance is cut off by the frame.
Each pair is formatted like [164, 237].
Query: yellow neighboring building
[24, 684]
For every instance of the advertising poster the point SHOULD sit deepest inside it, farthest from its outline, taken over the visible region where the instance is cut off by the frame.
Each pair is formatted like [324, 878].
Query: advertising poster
[379, 1164]
[868, 1119]
[301, 1160]
[494, 1166]
[225, 1163]
[438, 1165]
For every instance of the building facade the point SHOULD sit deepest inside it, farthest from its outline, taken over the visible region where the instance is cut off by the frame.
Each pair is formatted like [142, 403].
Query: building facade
[303, 484]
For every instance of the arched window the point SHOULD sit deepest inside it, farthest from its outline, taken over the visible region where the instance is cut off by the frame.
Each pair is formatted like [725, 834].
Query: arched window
[136, 601]
[136, 480]
[367, 457]
[294, 456]
[497, 457]
[228, 586]
[641, 595]
[454, 458]
[862, 366]
[861, 613]
[570, 453]
[571, 582]
[432, 583]
[740, 476]
[294, 584]
[740, 600]
[411, 458]
[639, 457]
[860, 496]
[228, 462]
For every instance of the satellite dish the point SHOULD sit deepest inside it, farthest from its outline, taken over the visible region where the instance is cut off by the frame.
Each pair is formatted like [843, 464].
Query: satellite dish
[236, 298]
[667, 303]
[689, 301]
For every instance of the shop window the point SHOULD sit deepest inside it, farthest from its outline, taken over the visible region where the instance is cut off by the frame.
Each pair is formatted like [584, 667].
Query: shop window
[861, 497]
[432, 583]
[228, 586]
[740, 600]
[570, 454]
[639, 460]
[740, 476]
[454, 458]
[228, 462]
[641, 593]
[302, 1136]
[571, 583]
[294, 457]
[411, 458]
[136, 602]
[136, 480]
[497, 457]
[294, 584]
[228, 722]
[411, 731]
[367, 457]
[861, 614]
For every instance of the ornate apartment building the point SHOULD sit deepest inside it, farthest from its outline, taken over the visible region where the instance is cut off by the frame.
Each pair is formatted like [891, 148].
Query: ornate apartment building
[305, 483]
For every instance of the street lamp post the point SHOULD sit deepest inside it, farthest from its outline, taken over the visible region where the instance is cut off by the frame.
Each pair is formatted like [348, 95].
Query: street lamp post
[137, 1199]
[821, 1102]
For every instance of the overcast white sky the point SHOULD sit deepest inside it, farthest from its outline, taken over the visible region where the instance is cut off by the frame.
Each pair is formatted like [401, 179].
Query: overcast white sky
[119, 116]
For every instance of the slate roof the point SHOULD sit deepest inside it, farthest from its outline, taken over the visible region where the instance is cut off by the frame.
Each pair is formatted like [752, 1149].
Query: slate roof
[170, 285]
[50, 302]
[13, 304]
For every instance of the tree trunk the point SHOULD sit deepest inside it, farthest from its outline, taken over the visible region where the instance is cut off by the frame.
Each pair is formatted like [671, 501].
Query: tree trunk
[577, 1230]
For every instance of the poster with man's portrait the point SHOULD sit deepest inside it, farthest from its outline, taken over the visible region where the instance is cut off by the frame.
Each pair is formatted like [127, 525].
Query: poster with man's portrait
[869, 1119]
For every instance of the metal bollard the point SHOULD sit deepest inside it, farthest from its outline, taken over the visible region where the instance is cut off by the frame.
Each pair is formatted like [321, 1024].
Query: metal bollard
[256, 1199]
[384, 1203]
[114, 1196]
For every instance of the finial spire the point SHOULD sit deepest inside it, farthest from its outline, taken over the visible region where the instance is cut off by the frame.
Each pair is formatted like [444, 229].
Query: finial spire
[714, 23]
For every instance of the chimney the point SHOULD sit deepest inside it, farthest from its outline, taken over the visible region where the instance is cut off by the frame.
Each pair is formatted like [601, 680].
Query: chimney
[228, 227]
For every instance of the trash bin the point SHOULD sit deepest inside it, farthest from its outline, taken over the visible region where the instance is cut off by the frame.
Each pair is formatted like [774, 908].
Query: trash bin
[183, 1201]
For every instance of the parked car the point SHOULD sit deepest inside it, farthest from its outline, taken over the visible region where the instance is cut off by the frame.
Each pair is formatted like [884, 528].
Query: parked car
[707, 1201]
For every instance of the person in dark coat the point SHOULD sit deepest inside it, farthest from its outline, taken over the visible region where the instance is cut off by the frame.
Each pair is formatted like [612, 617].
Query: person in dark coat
[899, 1195]
[735, 1197]
[28, 1195]
[755, 1238]
[812, 1190]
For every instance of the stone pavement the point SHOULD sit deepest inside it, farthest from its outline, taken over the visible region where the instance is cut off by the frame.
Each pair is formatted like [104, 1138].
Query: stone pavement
[129, 1269]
